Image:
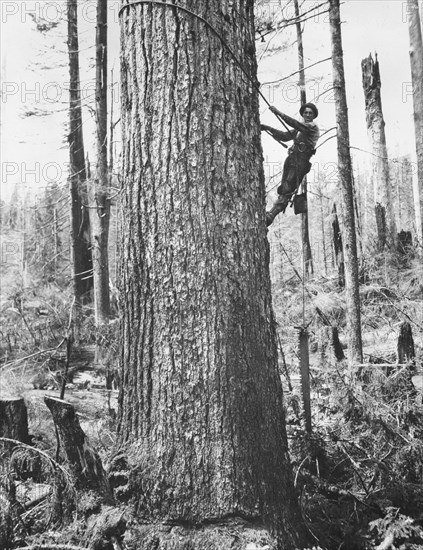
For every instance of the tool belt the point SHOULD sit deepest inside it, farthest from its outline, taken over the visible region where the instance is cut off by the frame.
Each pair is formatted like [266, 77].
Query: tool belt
[301, 147]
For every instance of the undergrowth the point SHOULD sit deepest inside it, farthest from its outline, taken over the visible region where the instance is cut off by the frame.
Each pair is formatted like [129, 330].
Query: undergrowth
[359, 474]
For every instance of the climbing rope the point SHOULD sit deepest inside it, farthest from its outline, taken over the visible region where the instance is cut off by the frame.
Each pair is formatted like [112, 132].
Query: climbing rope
[280, 142]
[216, 33]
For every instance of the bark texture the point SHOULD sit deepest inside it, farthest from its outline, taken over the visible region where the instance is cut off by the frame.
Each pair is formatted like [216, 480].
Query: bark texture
[201, 399]
[83, 461]
[99, 187]
[416, 61]
[80, 228]
[382, 194]
[14, 419]
[355, 347]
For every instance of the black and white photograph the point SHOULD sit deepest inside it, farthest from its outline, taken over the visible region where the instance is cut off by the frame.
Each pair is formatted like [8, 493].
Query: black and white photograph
[211, 275]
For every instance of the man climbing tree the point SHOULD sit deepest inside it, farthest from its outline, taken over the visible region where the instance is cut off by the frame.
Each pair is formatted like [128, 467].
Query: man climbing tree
[297, 163]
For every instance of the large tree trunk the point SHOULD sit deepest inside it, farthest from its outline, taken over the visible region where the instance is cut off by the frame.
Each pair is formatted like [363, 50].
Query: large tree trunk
[99, 187]
[80, 228]
[305, 235]
[376, 131]
[416, 61]
[355, 348]
[201, 399]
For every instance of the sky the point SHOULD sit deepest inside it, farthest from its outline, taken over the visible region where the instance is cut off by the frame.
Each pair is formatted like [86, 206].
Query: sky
[34, 70]
[368, 26]
[34, 74]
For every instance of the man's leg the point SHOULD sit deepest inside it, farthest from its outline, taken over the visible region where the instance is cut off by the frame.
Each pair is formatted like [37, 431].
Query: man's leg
[279, 206]
[294, 170]
[285, 190]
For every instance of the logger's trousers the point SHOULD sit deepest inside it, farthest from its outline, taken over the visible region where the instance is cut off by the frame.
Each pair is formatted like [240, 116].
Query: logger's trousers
[296, 166]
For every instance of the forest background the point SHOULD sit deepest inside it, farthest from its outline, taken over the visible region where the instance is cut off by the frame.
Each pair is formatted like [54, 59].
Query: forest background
[35, 249]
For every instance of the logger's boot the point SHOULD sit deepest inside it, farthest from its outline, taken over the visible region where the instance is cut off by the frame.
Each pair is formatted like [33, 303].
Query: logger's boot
[279, 206]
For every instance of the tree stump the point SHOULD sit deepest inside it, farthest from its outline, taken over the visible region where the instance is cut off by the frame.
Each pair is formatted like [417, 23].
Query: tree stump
[83, 461]
[405, 242]
[14, 419]
[405, 345]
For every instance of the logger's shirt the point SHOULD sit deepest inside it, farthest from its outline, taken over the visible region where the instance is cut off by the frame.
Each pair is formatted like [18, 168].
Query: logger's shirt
[309, 137]
[305, 132]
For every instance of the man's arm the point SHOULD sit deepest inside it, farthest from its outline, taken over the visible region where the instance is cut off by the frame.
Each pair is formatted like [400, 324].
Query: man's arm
[278, 135]
[291, 121]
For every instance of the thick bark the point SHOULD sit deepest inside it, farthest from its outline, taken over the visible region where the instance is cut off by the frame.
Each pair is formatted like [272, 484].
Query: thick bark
[80, 229]
[376, 131]
[416, 61]
[83, 461]
[99, 187]
[355, 347]
[14, 419]
[201, 399]
[305, 235]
